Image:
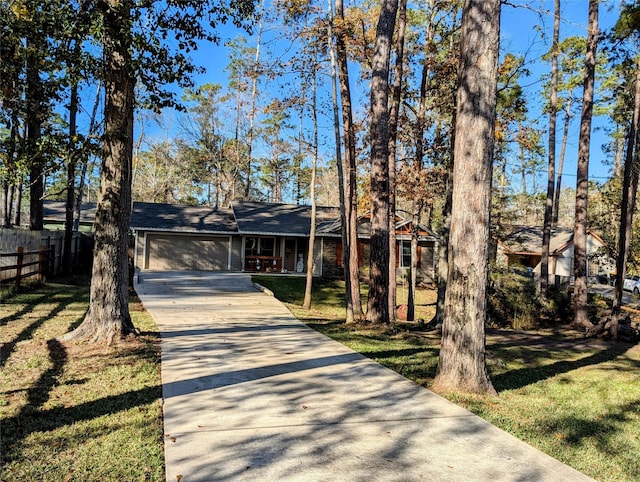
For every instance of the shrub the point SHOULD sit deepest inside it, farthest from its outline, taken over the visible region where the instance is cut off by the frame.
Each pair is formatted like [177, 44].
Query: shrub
[512, 299]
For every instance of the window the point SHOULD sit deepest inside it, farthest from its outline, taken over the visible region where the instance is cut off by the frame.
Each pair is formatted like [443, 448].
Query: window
[266, 246]
[405, 257]
[251, 246]
[404, 254]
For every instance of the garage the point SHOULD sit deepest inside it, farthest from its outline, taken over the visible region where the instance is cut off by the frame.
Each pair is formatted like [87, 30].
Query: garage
[176, 252]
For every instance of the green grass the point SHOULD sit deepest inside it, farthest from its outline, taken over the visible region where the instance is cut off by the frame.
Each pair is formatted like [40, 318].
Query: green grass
[577, 400]
[328, 298]
[71, 411]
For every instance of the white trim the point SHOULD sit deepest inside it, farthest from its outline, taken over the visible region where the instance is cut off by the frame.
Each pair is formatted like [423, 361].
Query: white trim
[282, 243]
[242, 250]
[401, 243]
[145, 261]
[135, 252]
[200, 232]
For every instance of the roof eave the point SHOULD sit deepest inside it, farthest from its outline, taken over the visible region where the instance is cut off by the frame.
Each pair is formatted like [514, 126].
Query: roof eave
[181, 231]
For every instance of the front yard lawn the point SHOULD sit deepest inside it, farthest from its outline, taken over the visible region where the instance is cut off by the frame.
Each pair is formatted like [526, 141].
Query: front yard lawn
[76, 412]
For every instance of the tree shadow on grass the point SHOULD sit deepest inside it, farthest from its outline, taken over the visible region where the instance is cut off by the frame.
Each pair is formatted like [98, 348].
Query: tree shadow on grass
[402, 352]
[514, 379]
[32, 418]
[601, 432]
[27, 308]
[8, 348]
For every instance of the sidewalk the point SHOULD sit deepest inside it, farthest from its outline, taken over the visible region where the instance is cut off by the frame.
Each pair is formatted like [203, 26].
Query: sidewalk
[252, 394]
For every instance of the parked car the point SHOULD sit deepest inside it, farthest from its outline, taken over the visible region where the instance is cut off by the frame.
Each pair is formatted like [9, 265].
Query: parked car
[632, 283]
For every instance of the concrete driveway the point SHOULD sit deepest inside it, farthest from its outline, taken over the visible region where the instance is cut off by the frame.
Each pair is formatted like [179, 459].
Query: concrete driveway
[628, 298]
[252, 394]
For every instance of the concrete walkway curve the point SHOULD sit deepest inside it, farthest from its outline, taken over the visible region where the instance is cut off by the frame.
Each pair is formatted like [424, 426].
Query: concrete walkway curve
[252, 394]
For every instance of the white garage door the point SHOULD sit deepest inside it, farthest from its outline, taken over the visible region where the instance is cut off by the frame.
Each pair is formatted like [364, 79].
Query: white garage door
[188, 253]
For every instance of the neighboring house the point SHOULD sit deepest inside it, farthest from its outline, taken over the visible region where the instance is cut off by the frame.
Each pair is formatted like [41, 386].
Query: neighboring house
[253, 237]
[55, 215]
[521, 247]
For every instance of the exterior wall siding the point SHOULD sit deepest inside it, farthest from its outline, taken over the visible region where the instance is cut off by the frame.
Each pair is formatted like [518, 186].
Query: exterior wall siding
[331, 268]
[221, 253]
[236, 253]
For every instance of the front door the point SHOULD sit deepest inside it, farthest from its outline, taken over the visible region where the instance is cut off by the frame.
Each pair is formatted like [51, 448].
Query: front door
[289, 255]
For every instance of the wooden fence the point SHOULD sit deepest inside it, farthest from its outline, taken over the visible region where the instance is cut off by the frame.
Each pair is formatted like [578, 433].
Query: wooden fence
[33, 242]
[26, 264]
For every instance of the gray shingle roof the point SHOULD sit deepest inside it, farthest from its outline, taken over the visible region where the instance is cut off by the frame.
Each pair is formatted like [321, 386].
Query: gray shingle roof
[272, 218]
[528, 239]
[180, 218]
[242, 218]
[55, 211]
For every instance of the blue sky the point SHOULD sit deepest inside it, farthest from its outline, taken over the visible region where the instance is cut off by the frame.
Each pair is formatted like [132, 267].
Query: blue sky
[520, 35]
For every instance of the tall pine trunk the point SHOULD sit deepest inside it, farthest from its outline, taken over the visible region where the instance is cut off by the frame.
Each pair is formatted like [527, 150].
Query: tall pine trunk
[350, 249]
[72, 157]
[417, 202]
[19, 192]
[85, 159]
[580, 294]
[551, 168]
[108, 316]
[396, 98]
[461, 364]
[312, 187]
[252, 110]
[339, 160]
[629, 192]
[563, 150]
[34, 127]
[9, 188]
[378, 302]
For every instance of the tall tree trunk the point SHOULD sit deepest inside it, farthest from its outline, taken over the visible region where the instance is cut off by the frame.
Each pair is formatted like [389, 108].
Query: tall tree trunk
[443, 245]
[418, 202]
[349, 317]
[352, 268]
[563, 150]
[108, 315]
[580, 295]
[393, 136]
[413, 269]
[312, 192]
[10, 104]
[252, 110]
[443, 249]
[72, 154]
[297, 160]
[551, 168]
[9, 186]
[629, 192]
[378, 302]
[523, 167]
[85, 161]
[18, 193]
[619, 155]
[34, 127]
[7, 203]
[461, 364]
[5, 216]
